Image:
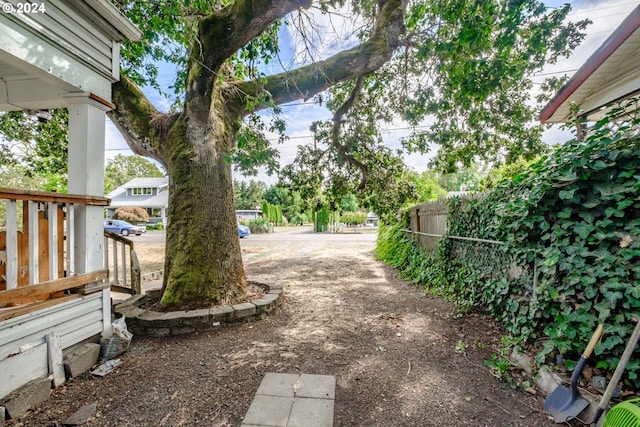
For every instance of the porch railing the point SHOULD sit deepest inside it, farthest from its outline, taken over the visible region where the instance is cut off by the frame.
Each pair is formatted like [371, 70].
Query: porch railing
[37, 245]
[121, 261]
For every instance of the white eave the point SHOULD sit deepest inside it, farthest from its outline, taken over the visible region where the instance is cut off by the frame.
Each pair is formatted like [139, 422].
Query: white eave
[112, 15]
[611, 74]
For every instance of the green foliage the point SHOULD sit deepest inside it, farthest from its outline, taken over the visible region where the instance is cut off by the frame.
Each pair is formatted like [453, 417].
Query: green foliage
[479, 97]
[40, 146]
[290, 201]
[253, 148]
[398, 249]
[122, 169]
[156, 226]
[18, 176]
[348, 203]
[131, 214]
[571, 254]
[273, 213]
[299, 218]
[427, 187]
[463, 179]
[353, 218]
[323, 217]
[258, 225]
[506, 172]
[248, 195]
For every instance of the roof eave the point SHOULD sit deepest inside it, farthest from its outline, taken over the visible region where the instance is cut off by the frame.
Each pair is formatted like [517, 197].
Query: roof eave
[115, 18]
[613, 42]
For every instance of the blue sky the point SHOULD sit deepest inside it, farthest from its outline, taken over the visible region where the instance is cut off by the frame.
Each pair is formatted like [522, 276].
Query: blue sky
[606, 16]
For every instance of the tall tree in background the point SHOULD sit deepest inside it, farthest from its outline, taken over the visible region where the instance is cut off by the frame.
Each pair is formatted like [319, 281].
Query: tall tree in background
[35, 148]
[249, 195]
[122, 169]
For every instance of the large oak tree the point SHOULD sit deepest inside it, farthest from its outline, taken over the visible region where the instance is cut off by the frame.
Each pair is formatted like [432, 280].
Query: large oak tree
[203, 259]
[470, 51]
[461, 63]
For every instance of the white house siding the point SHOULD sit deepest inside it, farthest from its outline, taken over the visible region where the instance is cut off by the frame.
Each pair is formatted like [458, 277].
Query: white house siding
[74, 321]
[60, 44]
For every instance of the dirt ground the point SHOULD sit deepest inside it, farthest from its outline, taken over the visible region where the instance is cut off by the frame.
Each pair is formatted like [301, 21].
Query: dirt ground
[400, 357]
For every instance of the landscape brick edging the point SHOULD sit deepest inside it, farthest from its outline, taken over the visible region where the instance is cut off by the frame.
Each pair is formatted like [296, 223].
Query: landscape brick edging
[155, 323]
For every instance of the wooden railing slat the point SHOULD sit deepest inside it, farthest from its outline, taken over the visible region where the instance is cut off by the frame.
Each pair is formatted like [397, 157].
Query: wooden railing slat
[16, 295]
[47, 196]
[34, 253]
[53, 240]
[12, 245]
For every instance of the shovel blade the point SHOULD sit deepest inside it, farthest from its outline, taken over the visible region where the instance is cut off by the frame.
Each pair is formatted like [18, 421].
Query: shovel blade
[564, 404]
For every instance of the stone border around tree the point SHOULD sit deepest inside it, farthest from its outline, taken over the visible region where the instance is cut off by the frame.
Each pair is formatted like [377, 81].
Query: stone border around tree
[155, 323]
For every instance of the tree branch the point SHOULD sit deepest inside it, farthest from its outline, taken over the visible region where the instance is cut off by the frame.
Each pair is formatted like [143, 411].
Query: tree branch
[364, 59]
[140, 123]
[343, 153]
[237, 24]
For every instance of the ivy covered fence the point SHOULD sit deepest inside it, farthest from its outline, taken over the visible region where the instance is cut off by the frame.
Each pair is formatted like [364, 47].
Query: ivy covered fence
[570, 252]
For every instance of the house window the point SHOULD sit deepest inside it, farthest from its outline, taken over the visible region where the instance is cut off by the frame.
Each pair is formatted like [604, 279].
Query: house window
[145, 191]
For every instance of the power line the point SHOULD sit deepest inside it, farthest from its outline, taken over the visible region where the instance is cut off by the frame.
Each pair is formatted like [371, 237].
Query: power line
[602, 8]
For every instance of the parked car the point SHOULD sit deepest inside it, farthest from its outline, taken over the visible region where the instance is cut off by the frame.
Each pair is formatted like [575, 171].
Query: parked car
[243, 231]
[123, 227]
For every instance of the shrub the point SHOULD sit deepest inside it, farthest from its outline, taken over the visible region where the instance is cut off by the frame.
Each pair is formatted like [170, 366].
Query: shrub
[353, 218]
[299, 218]
[131, 214]
[259, 225]
[323, 217]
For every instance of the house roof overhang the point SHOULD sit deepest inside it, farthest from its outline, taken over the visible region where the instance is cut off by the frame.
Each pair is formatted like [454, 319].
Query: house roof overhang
[116, 19]
[70, 48]
[611, 74]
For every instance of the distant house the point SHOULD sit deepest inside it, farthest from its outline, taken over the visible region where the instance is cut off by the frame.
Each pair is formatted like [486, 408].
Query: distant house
[248, 214]
[151, 194]
[372, 220]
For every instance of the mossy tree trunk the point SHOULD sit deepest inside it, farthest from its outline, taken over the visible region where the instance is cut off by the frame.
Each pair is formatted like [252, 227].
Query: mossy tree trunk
[203, 259]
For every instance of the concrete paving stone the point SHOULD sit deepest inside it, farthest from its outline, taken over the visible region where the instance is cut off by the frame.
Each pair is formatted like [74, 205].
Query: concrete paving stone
[28, 396]
[81, 359]
[317, 386]
[274, 384]
[82, 415]
[311, 413]
[272, 411]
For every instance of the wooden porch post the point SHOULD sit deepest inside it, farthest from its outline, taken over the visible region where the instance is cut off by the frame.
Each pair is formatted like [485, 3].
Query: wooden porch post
[86, 176]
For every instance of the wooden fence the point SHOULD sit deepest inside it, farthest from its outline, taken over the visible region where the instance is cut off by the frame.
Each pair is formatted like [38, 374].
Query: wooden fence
[429, 222]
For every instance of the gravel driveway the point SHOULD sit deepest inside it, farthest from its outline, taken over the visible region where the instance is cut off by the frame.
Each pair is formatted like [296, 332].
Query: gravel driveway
[401, 357]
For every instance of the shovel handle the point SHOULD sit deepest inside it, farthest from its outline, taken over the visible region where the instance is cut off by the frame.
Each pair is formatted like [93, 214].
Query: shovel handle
[617, 374]
[594, 340]
[583, 360]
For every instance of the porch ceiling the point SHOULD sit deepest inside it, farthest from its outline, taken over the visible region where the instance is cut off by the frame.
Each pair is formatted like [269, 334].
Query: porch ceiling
[73, 48]
[20, 90]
